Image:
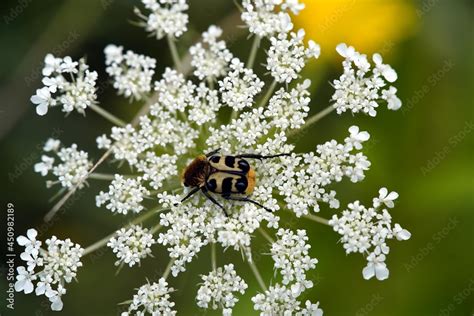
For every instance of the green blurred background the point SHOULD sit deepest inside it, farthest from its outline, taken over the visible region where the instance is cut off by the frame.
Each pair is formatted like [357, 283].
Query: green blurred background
[424, 151]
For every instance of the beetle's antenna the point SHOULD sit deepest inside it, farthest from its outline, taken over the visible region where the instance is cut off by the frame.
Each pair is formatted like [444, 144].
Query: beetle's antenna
[257, 156]
[213, 152]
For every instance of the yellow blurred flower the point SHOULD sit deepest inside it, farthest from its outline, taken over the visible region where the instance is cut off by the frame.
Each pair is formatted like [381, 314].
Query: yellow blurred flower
[368, 25]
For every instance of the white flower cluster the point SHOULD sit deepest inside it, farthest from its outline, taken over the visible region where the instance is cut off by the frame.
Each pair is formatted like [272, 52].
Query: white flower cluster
[47, 270]
[361, 88]
[218, 289]
[267, 17]
[302, 180]
[365, 230]
[73, 167]
[174, 92]
[192, 226]
[287, 56]
[131, 245]
[153, 299]
[166, 17]
[125, 195]
[211, 57]
[291, 256]
[288, 109]
[157, 169]
[132, 73]
[66, 82]
[186, 119]
[240, 86]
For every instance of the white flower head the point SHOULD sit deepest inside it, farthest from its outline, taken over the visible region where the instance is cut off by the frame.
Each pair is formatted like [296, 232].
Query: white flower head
[268, 17]
[218, 288]
[71, 166]
[125, 195]
[291, 256]
[211, 57]
[131, 245]
[68, 83]
[175, 93]
[132, 73]
[54, 267]
[153, 299]
[361, 87]
[366, 230]
[287, 55]
[240, 86]
[165, 17]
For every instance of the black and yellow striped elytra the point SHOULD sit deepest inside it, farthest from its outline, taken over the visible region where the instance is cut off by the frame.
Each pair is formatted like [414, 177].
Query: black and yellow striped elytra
[231, 177]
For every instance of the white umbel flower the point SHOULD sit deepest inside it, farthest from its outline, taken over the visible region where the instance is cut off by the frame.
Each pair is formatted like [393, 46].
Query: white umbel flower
[366, 230]
[211, 57]
[131, 245]
[288, 109]
[218, 289]
[72, 165]
[175, 93]
[291, 257]
[361, 87]
[287, 56]
[268, 17]
[152, 299]
[281, 300]
[240, 86]
[132, 73]
[67, 83]
[48, 269]
[165, 17]
[125, 195]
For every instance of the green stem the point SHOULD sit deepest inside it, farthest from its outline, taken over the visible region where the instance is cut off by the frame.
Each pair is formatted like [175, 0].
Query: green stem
[317, 219]
[107, 115]
[213, 256]
[257, 274]
[253, 52]
[313, 119]
[268, 94]
[266, 235]
[168, 269]
[101, 243]
[174, 53]
[155, 228]
[101, 176]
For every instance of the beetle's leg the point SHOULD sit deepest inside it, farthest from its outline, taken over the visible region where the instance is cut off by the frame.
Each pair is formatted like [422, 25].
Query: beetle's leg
[245, 199]
[261, 157]
[213, 152]
[194, 190]
[206, 193]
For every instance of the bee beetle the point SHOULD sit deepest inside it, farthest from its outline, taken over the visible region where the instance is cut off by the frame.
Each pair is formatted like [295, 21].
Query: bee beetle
[232, 177]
